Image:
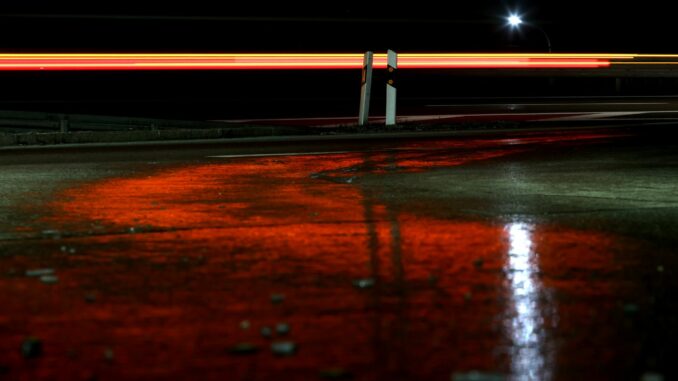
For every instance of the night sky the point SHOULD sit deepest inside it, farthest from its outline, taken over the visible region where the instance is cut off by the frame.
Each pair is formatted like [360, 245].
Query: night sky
[574, 26]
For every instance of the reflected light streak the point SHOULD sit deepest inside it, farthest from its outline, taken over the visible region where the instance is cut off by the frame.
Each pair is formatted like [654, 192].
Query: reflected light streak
[525, 323]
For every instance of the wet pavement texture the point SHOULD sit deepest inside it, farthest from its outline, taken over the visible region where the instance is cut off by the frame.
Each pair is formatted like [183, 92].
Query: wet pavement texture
[517, 256]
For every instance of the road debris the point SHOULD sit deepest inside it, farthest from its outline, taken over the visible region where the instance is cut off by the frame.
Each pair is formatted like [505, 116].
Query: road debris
[266, 332]
[364, 283]
[282, 328]
[39, 272]
[49, 279]
[284, 348]
[31, 348]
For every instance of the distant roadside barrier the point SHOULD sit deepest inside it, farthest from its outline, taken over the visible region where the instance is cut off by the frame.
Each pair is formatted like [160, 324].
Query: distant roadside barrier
[18, 128]
[55, 122]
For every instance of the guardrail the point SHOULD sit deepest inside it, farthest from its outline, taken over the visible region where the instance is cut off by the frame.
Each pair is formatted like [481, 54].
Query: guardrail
[79, 122]
[18, 128]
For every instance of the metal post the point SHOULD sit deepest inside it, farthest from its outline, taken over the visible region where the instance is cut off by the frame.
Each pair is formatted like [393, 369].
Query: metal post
[366, 89]
[63, 124]
[391, 88]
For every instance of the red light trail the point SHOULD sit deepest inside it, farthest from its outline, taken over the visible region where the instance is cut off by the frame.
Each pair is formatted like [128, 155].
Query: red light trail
[282, 61]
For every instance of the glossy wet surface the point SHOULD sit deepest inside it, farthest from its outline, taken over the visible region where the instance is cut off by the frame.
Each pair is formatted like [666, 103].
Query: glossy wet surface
[518, 257]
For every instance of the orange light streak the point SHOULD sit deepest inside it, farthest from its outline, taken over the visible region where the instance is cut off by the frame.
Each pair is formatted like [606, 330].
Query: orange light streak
[38, 62]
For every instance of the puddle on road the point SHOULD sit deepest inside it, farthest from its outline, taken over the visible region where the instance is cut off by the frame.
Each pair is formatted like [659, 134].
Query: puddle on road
[160, 276]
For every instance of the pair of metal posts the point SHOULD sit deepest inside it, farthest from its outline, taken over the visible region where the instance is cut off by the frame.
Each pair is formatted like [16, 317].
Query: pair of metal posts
[366, 89]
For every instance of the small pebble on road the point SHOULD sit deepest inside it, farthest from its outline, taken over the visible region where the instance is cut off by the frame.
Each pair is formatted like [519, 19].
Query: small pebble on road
[52, 234]
[49, 279]
[245, 325]
[282, 328]
[284, 348]
[31, 348]
[364, 283]
[266, 332]
[39, 272]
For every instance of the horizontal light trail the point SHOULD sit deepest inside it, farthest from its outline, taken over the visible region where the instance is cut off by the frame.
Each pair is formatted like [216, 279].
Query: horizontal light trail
[353, 55]
[285, 61]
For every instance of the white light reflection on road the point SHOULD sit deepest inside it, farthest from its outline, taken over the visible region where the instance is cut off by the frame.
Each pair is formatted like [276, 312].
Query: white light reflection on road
[524, 322]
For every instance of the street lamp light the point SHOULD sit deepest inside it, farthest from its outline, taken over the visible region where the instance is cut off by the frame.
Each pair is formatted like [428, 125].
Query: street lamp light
[515, 21]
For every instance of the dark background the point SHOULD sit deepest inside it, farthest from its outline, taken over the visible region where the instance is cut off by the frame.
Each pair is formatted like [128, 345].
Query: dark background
[638, 26]
[347, 26]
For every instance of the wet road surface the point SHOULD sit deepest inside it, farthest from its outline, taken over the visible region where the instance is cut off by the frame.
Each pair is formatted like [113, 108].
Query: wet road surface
[520, 256]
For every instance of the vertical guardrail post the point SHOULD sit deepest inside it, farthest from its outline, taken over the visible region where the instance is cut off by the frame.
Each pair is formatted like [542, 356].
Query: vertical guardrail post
[366, 89]
[63, 123]
[392, 67]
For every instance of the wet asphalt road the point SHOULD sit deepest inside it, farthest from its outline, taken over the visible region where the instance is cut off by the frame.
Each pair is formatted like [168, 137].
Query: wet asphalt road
[519, 255]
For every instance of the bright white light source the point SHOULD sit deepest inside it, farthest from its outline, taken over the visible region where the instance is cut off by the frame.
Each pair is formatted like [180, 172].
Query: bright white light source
[515, 20]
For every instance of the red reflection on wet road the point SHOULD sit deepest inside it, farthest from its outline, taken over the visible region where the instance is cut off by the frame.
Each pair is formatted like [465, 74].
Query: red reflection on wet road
[173, 261]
